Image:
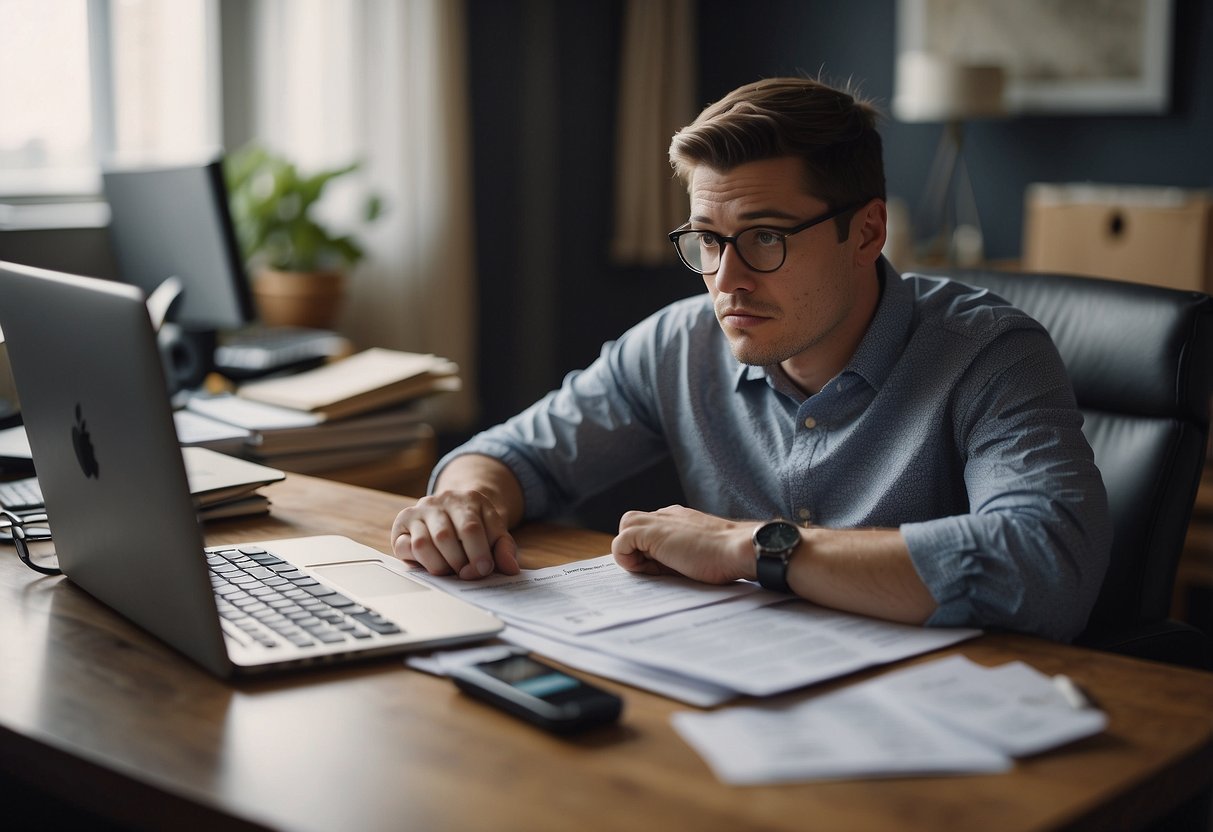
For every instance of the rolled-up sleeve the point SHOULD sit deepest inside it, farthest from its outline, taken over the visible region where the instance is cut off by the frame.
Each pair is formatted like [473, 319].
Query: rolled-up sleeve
[1031, 554]
[592, 432]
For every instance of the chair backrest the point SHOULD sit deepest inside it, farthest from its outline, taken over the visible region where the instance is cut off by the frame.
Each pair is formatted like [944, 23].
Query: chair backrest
[1141, 362]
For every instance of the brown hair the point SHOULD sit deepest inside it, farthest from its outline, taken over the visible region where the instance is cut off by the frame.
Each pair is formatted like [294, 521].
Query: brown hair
[832, 131]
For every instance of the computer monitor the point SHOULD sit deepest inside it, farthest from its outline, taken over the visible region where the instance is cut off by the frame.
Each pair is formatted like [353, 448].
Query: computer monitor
[175, 221]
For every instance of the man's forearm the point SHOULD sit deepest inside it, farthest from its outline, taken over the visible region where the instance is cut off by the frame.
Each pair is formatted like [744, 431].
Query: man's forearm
[863, 571]
[490, 477]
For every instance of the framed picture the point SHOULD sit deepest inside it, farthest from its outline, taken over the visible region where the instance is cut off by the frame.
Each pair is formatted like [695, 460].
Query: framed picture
[1060, 56]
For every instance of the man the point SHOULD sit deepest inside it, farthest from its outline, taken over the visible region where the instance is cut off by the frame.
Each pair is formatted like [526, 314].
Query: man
[922, 434]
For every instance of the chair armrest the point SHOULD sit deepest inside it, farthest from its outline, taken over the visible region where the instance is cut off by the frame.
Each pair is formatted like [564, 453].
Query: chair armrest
[1174, 642]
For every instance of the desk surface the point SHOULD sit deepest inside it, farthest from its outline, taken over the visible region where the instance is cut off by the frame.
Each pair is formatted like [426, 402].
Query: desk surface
[94, 709]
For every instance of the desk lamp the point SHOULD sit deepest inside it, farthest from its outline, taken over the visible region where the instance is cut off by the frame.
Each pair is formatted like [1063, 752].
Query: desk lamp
[932, 88]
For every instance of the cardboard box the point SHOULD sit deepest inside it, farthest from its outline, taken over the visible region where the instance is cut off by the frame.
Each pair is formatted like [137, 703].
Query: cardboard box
[1161, 236]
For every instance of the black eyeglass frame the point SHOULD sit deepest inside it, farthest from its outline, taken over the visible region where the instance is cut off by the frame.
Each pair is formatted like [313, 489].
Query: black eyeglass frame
[784, 233]
[16, 528]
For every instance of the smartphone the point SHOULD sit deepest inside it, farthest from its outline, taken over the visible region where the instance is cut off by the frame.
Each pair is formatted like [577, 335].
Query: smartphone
[538, 693]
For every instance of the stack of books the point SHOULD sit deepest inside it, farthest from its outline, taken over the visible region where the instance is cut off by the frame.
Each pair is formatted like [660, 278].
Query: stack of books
[355, 411]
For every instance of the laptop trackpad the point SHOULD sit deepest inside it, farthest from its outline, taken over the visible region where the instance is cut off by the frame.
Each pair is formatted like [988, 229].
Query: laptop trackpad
[368, 579]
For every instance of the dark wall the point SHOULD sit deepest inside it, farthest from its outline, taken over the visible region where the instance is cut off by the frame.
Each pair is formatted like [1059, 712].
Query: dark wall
[544, 79]
[857, 40]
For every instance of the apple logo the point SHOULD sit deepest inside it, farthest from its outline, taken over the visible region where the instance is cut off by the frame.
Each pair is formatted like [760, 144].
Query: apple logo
[84, 446]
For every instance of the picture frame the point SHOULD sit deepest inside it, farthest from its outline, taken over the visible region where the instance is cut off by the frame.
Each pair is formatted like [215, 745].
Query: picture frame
[1089, 57]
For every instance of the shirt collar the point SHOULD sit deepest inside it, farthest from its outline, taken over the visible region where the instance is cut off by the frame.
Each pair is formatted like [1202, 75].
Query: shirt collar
[886, 337]
[881, 345]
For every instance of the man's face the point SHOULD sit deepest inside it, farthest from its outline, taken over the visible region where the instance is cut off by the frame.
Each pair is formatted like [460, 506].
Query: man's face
[810, 313]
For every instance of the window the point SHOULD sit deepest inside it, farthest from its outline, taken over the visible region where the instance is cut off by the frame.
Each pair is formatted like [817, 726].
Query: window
[86, 82]
[46, 132]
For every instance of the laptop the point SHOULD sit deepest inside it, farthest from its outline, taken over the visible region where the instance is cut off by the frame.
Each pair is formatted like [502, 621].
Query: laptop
[97, 412]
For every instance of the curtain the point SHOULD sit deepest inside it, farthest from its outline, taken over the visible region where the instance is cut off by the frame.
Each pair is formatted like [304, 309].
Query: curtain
[656, 98]
[384, 82]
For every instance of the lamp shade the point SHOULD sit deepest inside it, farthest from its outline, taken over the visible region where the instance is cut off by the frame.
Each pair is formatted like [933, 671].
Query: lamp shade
[930, 87]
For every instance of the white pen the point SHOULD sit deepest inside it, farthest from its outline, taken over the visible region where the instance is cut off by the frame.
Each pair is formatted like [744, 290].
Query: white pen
[1071, 692]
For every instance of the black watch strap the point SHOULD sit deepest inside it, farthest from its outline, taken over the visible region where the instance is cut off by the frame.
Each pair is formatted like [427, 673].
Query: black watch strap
[773, 572]
[774, 543]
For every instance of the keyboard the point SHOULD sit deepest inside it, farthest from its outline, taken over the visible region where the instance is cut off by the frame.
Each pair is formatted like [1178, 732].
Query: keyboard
[19, 495]
[271, 601]
[260, 351]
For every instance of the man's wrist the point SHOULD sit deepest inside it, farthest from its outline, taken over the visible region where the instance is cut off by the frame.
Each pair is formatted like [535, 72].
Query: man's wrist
[775, 543]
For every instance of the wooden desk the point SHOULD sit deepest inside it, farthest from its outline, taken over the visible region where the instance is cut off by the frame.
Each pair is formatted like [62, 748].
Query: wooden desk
[95, 711]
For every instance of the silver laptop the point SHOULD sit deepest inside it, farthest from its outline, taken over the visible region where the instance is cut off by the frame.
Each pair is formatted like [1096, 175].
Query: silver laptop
[96, 408]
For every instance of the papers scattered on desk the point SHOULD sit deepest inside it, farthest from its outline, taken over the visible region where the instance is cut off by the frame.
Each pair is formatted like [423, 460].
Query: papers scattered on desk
[694, 642]
[440, 662]
[948, 716]
[585, 596]
[769, 649]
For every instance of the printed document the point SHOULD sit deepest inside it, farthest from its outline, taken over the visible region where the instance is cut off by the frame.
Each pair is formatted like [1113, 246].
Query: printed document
[1014, 707]
[772, 648]
[585, 595]
[667, 633]
[950, 715]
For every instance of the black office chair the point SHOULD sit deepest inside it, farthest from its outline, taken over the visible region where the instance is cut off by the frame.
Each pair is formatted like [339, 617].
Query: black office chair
[1141, 361]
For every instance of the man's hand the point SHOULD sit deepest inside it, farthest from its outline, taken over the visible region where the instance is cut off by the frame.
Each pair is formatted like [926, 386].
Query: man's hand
[686, 542]
[463, 528]
[867, 571]
[455, 532]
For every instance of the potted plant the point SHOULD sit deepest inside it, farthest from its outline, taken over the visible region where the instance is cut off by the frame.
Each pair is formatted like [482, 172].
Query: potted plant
[298, 265]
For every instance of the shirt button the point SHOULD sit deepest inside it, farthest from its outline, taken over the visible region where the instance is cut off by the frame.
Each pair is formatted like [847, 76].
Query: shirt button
[805, 515]
[810, 423]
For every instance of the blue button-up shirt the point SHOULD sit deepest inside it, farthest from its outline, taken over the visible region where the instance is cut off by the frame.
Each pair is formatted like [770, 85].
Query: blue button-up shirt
[954, 421]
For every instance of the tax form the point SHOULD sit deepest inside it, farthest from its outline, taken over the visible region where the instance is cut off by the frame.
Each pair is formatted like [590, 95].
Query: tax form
[768, 649]
[692, 641]
[949, 715]
[585, 595]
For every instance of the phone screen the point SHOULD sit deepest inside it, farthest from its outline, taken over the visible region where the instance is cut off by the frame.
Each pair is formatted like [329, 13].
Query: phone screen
[530, 677]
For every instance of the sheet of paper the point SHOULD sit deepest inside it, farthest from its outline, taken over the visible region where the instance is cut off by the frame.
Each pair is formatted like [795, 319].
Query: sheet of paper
[440, 662]
[14, 444]
[769, 649]
[586, 595]
[249, 414]
[196, 429]
[663, 682]
[1013, 707]
[851, 733]
[948, 715]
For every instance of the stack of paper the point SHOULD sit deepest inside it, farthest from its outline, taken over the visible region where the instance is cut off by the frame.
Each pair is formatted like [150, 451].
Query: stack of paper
[224, 486]
[704, 645]
[357, 410]
[370, 380]
[948, 716]
[694, 642]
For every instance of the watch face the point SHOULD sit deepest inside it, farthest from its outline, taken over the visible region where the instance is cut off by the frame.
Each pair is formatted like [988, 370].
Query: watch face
[777, 537]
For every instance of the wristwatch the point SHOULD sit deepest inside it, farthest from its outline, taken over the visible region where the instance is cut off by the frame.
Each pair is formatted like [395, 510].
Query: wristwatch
[774, 543]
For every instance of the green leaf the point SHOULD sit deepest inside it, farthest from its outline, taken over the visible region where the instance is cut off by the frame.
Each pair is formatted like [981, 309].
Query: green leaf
[271, 206]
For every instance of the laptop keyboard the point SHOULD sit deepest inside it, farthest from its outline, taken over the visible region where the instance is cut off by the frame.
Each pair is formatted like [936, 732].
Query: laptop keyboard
[273, 601]
[16, 495]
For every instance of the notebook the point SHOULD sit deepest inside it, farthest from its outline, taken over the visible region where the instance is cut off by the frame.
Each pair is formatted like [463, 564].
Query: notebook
[100, 426]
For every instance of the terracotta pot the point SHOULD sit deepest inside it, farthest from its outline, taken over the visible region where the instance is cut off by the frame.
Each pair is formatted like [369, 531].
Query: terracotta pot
[310, 299]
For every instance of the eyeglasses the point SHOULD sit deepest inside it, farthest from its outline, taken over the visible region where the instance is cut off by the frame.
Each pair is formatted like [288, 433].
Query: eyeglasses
[762, 249]
[16, 530]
